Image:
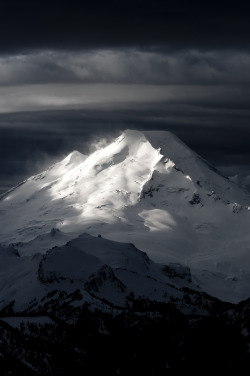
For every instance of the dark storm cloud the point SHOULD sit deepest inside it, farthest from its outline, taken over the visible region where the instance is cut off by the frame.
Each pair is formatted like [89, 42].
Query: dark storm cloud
[75, 24]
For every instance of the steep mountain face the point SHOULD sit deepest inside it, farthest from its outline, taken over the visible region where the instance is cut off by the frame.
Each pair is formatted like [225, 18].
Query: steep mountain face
[145, 188]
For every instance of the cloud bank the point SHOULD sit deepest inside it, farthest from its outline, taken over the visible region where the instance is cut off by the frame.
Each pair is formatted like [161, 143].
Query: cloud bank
[49, 80]
[127, 66]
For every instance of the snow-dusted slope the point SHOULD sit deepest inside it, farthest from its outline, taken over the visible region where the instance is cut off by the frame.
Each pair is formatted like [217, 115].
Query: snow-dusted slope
[146, 188]
[99, 268]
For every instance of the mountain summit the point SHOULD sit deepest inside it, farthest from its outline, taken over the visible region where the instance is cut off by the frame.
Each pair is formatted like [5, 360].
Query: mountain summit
[146, 188]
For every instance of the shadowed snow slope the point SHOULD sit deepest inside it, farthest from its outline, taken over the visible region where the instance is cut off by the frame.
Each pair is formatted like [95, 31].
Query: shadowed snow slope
[146, 188]
[99, 268]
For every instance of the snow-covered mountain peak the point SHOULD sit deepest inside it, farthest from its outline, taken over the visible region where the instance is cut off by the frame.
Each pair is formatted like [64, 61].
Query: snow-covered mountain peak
[132, 173]
[147, 188]
[130, 143]
[165, 141]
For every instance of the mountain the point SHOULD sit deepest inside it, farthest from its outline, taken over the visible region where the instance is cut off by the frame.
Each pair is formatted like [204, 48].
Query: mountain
[103, 270]
[134, 259]
[148, 189]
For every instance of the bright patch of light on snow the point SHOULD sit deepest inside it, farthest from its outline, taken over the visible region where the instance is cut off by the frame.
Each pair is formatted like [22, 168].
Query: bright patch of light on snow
[110, 179]
[157, 219]
[188, 177]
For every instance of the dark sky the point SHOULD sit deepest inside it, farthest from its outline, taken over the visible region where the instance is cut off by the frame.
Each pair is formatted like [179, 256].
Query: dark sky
[74, 72]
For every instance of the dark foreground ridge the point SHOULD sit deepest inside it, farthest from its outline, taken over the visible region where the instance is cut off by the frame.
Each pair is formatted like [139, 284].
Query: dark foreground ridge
[63, 337]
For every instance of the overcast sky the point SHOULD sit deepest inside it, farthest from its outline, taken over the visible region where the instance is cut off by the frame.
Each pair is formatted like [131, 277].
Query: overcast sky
[72, 73]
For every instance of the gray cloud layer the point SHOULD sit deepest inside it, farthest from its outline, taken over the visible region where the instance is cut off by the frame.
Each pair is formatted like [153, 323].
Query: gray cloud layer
[127, 66]
[118, 78]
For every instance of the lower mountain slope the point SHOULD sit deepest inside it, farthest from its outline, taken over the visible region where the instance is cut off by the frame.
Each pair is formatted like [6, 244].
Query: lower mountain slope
[97, 306]
[101, 270]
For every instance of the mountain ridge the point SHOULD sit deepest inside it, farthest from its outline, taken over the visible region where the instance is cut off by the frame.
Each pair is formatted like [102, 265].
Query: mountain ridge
[146, 188]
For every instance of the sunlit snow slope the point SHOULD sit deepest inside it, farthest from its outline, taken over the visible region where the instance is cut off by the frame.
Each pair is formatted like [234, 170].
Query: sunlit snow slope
[146, 188]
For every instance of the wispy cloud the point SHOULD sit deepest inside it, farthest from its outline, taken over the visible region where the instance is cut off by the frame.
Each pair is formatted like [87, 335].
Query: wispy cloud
[128, 66]
[123, 96]
[61, 96]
